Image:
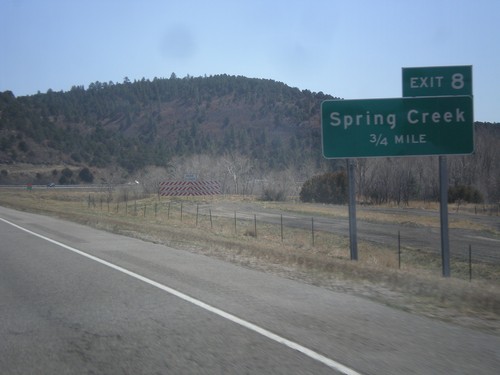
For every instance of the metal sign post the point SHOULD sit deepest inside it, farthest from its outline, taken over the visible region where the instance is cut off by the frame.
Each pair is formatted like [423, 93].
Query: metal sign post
[351, 164]
[443, 205]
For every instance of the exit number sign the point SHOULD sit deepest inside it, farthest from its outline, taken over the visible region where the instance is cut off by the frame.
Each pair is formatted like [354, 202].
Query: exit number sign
[437, 81]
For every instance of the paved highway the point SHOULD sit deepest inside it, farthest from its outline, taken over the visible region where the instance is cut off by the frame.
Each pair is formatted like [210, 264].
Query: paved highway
[74, 300]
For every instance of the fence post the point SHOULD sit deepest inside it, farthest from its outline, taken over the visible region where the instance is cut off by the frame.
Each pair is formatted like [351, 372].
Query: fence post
[197, 209]
[281, 227]
[399, 249]
[470, 263]
[312, 230]
[255, 224]
[235, 222]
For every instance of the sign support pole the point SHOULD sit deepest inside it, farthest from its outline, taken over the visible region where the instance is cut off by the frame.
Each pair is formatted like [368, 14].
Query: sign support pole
[352, 209]
[443, 199]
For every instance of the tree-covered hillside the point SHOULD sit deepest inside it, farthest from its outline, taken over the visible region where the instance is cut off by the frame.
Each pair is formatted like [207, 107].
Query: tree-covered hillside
[134, 124]
[251, 134]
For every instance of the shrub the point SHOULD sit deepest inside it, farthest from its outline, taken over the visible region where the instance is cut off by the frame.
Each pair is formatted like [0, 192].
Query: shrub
[273, 195]
[66, 172]
[326, 188]
[86, 175]
[63, 180]
[23, 146]
[462, 193]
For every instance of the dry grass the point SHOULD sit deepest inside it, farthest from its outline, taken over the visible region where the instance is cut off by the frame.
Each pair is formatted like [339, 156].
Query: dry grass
[416, 287]
[402, 216]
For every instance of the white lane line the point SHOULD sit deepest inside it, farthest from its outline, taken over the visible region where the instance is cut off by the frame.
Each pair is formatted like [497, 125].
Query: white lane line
[253, 327]
[484, 238]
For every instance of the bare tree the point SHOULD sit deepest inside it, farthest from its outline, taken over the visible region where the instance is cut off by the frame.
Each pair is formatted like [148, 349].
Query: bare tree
[238, 170]
[148, 179]
[487, 161]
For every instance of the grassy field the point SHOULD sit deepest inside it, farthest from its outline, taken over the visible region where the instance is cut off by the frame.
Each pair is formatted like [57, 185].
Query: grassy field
[320, 258]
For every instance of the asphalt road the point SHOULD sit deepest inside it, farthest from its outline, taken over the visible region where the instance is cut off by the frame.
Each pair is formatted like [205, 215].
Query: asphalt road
[74, 300]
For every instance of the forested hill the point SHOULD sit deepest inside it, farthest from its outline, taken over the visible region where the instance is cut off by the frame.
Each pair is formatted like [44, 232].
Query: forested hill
[134, 124]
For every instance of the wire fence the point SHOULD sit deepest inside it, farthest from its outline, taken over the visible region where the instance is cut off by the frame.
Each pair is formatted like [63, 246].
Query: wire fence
[317, 234]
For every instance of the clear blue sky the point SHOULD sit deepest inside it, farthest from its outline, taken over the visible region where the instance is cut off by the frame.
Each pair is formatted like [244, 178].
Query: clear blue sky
[353, 49]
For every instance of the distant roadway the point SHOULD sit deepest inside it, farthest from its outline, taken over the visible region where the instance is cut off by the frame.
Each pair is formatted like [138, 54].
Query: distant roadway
[485, 244]
[75, 300]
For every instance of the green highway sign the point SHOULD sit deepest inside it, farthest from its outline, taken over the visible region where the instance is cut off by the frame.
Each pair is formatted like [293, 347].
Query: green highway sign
[437, 81]
[440, 125]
